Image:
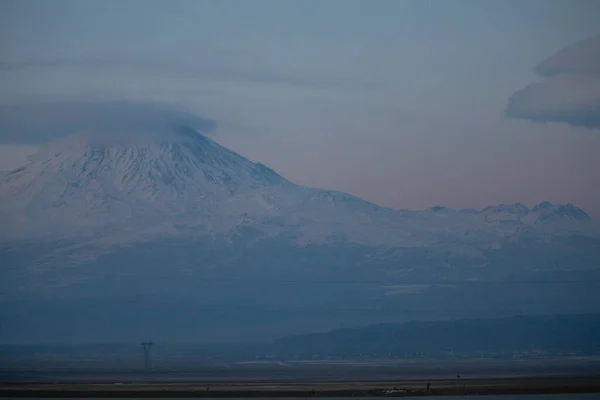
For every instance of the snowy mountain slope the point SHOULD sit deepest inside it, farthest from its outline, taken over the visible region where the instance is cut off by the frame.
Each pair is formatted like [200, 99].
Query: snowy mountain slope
[82, 178]
[106, 189]
[143, 216]
[178, 177]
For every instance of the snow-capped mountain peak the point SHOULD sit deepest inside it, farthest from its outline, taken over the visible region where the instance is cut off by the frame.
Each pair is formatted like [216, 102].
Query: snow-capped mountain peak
[95, 176]
[180, 163]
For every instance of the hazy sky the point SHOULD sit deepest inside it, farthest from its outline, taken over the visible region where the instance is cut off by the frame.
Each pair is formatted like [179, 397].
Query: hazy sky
[399, 102]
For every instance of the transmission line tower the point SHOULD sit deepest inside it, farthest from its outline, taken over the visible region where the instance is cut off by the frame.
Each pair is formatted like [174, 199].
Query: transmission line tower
[147, 346]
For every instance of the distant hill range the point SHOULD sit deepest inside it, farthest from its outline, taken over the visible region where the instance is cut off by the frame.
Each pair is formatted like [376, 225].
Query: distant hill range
[534, 335]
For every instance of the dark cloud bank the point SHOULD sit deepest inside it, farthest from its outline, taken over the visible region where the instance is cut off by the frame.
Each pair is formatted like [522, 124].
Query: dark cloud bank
[38, 123]
[571, 93]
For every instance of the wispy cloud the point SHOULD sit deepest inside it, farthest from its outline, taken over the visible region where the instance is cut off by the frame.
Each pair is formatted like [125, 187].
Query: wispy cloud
[400, 290]
[189, 68]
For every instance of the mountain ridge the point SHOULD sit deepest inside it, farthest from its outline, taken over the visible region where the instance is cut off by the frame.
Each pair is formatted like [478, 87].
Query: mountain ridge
[523, 335]
[182, 171]
[151, 226]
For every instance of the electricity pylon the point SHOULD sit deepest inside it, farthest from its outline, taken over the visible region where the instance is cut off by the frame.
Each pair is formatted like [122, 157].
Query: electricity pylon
[147, 356]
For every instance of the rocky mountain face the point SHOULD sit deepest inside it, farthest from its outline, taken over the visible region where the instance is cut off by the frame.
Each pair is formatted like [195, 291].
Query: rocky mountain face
[109, 234]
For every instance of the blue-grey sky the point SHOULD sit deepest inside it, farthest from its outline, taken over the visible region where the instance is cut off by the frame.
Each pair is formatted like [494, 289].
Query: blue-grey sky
[399, 102]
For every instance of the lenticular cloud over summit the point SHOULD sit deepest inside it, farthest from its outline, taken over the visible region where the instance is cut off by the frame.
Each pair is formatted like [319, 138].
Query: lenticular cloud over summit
[38, 123]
